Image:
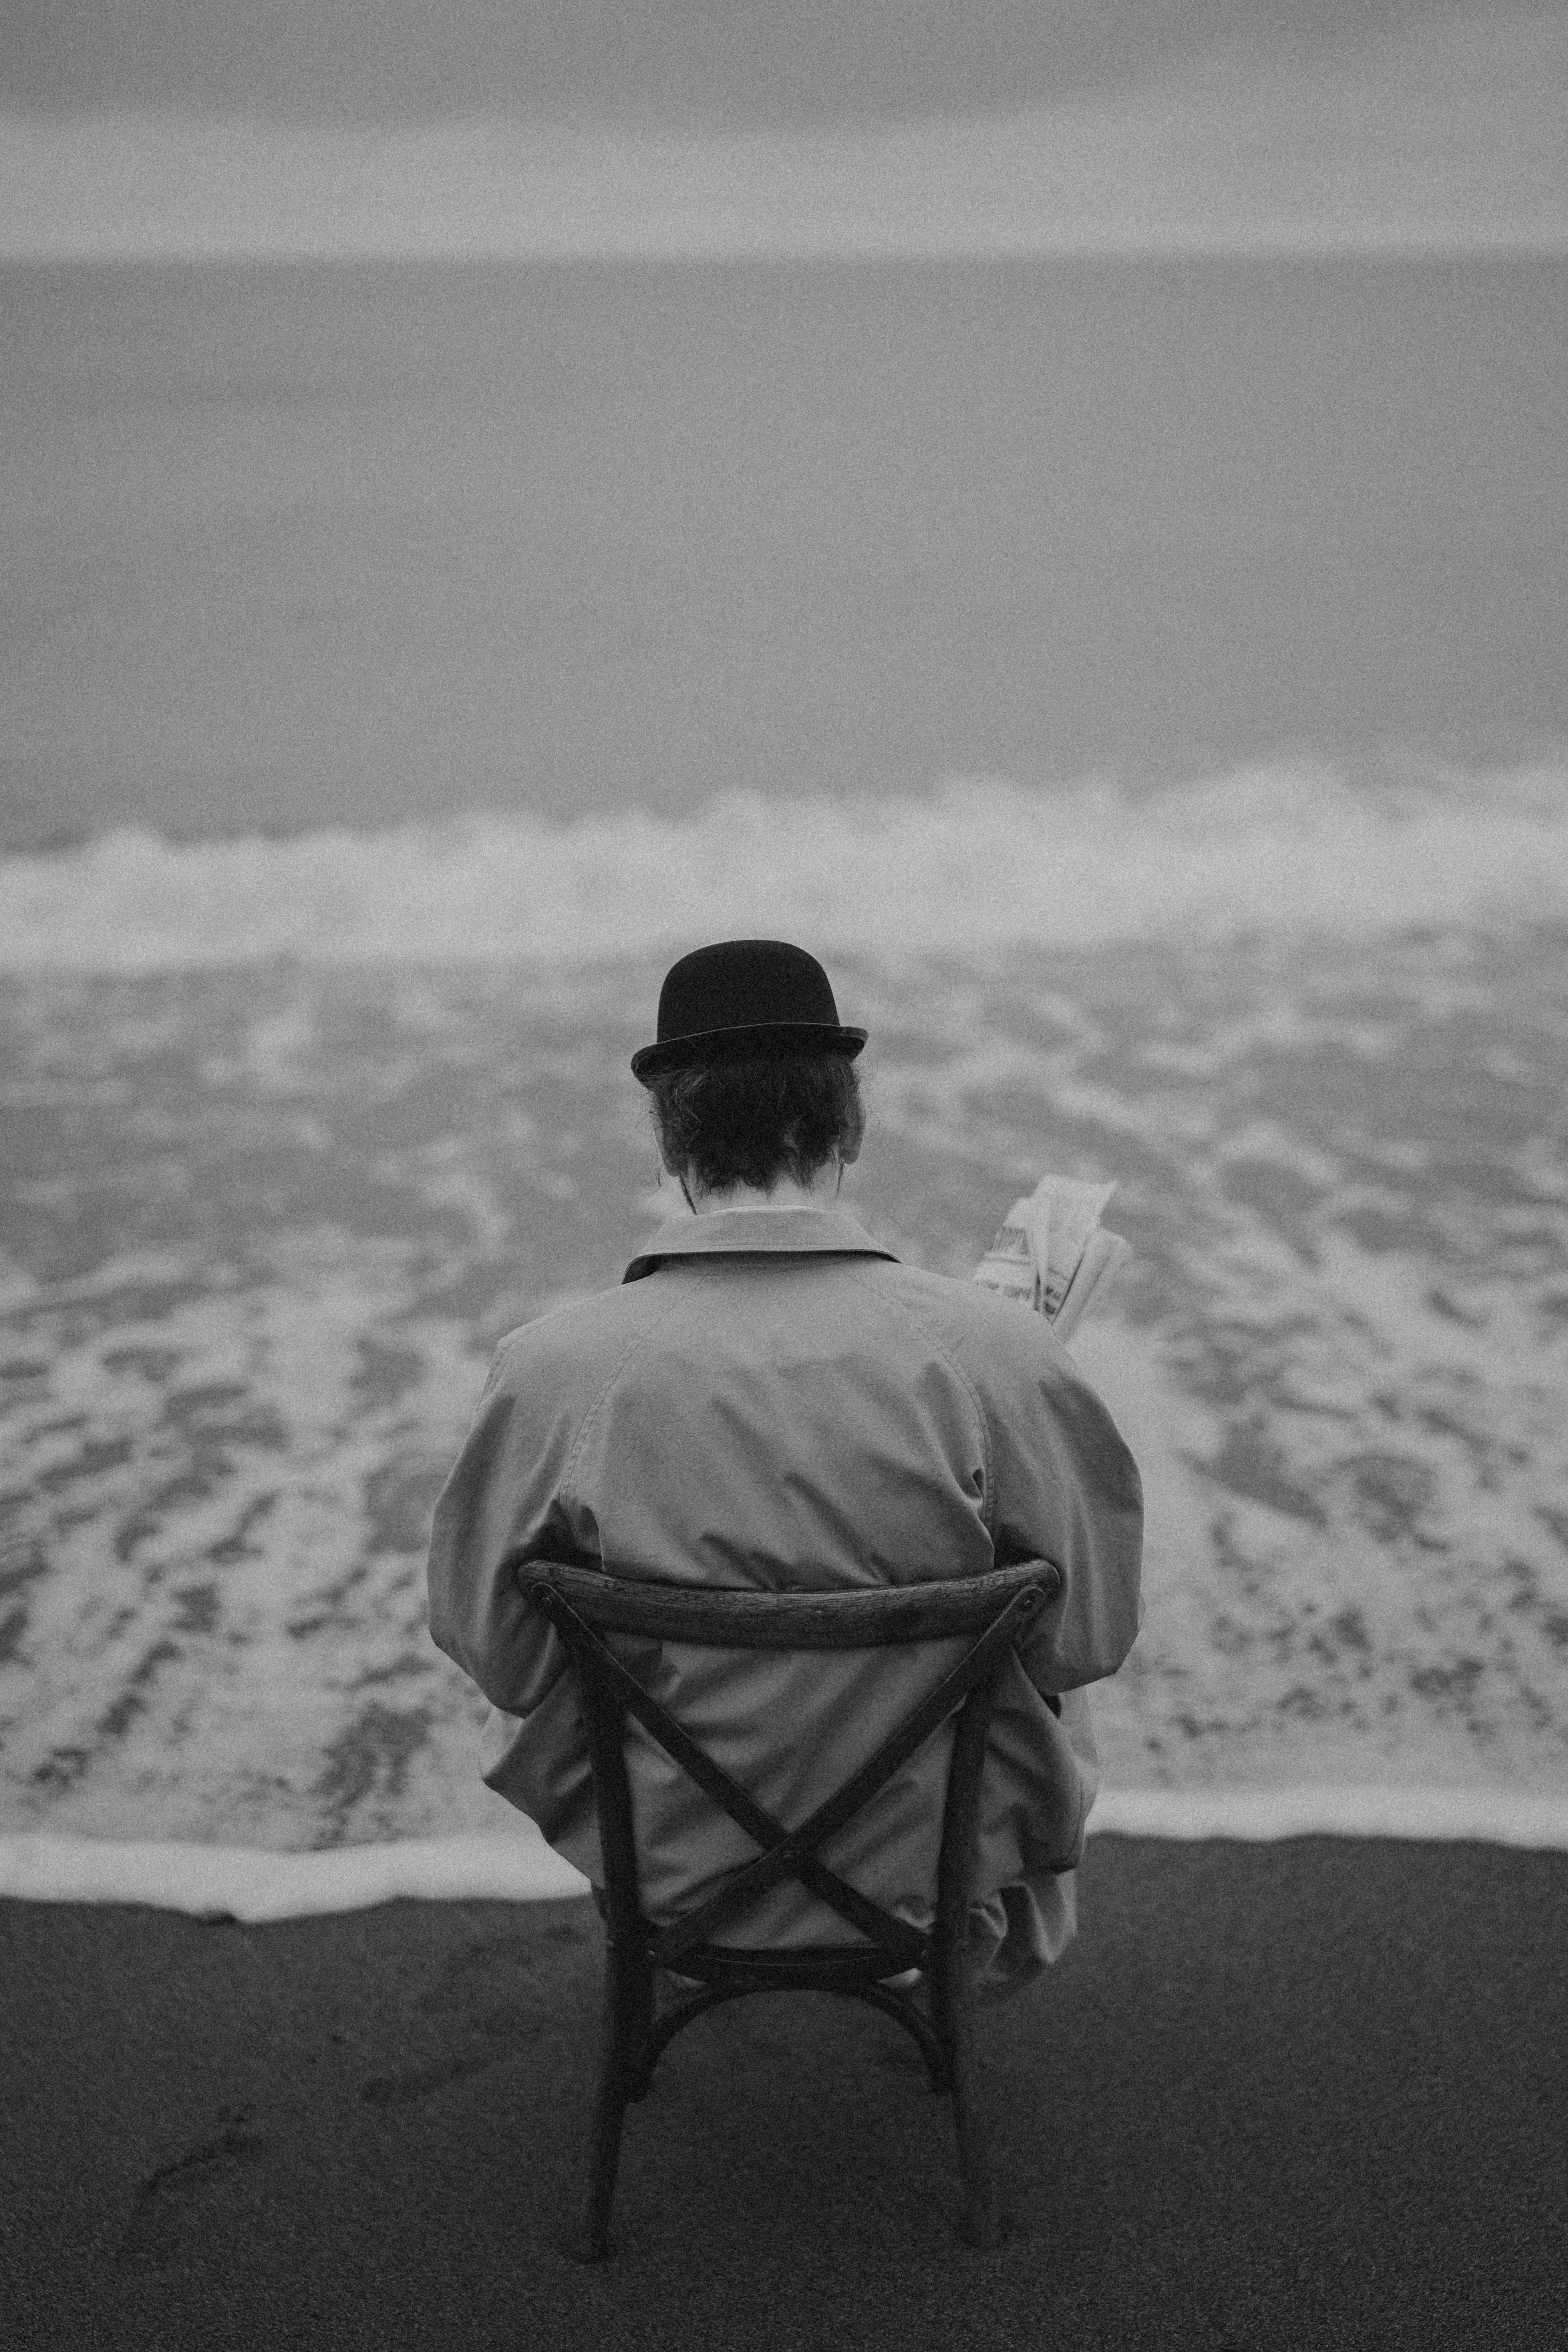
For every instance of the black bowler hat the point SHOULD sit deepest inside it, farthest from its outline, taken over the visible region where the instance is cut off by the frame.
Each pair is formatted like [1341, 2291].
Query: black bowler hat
[741, 999]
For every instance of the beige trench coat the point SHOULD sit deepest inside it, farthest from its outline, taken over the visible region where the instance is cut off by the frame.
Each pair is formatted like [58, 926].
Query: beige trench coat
[772, 1399]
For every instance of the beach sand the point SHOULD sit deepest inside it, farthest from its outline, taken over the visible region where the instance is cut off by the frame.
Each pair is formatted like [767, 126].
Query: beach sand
[1308, 2094]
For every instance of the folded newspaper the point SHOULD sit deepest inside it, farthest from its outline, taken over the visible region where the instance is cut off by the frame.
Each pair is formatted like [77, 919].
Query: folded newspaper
[1052, 1252]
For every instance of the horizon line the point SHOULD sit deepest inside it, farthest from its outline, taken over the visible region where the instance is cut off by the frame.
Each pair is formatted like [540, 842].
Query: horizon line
[1413, 248]
[1154, 176]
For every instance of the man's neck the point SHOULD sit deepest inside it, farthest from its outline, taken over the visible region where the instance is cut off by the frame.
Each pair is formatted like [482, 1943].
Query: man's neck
[783, 1193]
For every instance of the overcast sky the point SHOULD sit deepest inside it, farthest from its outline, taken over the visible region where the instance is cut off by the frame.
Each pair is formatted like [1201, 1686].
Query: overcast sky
[725, 60]
[496, 126]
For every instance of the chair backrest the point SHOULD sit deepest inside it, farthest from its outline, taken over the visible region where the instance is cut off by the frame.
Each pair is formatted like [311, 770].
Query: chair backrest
[583, 1605]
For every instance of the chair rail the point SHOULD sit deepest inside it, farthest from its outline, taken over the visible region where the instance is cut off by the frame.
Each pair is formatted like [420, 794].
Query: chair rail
[857, 1617]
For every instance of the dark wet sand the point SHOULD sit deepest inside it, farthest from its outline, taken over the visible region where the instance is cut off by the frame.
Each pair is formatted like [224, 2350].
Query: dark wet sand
[1311, 2093]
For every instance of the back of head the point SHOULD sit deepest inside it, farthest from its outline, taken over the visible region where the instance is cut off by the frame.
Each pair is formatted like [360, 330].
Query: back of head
[751, 1122]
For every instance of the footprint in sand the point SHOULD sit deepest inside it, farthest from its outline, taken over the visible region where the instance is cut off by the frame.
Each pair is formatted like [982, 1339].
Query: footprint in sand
[391, 2090]
[185, 2204]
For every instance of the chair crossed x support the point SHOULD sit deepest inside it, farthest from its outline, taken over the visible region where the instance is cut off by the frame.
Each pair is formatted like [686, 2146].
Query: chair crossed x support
[579, 1604]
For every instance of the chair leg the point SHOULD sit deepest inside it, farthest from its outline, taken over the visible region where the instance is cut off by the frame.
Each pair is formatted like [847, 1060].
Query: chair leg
[639, 2058]
[979, 2221]
[624, 1995]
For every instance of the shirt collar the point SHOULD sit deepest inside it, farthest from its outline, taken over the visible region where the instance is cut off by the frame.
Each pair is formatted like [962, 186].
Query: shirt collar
[758, 1233]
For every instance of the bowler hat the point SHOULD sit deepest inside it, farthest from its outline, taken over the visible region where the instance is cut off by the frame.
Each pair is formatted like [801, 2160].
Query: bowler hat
[744, 998]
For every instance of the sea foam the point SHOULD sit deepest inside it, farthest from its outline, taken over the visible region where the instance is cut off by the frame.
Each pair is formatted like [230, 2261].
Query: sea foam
[267, 1221]
[974, 866]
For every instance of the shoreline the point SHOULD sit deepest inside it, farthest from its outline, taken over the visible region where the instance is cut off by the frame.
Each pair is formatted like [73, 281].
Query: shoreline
[513, 1863]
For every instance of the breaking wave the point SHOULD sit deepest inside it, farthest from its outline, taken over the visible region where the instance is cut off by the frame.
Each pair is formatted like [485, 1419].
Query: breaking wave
[1281, 848]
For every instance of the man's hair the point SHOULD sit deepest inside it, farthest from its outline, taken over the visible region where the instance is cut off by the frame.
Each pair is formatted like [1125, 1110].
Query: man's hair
[750, 1122]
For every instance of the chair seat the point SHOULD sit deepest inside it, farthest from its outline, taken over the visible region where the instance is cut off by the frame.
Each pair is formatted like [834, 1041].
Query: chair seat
[799, 1968]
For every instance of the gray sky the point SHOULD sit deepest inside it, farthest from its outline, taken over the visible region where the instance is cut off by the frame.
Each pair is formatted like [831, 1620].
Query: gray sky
[483, 127]
[719, 61]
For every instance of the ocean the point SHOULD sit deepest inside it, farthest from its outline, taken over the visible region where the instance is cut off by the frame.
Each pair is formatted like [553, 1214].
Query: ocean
[1140, 681]
[309, 544]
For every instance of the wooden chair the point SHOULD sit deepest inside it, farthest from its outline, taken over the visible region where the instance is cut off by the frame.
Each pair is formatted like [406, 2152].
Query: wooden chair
[583, 1606]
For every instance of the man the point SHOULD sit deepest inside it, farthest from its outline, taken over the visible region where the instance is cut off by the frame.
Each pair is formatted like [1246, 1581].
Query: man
[772, 1399]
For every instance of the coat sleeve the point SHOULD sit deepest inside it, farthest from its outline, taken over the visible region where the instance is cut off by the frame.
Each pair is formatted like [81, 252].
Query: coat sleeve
[506, 1493]
[1065, 1488]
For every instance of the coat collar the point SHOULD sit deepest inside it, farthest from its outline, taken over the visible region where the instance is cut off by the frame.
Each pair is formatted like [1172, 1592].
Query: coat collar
[758, 1233]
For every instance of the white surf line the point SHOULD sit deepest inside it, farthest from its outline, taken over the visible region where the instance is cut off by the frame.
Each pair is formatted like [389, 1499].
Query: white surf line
[515, 1866]
[227, 1882]
[1255, 1816]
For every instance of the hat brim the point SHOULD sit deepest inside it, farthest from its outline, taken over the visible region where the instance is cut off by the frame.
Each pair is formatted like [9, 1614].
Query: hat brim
[759, 1041]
